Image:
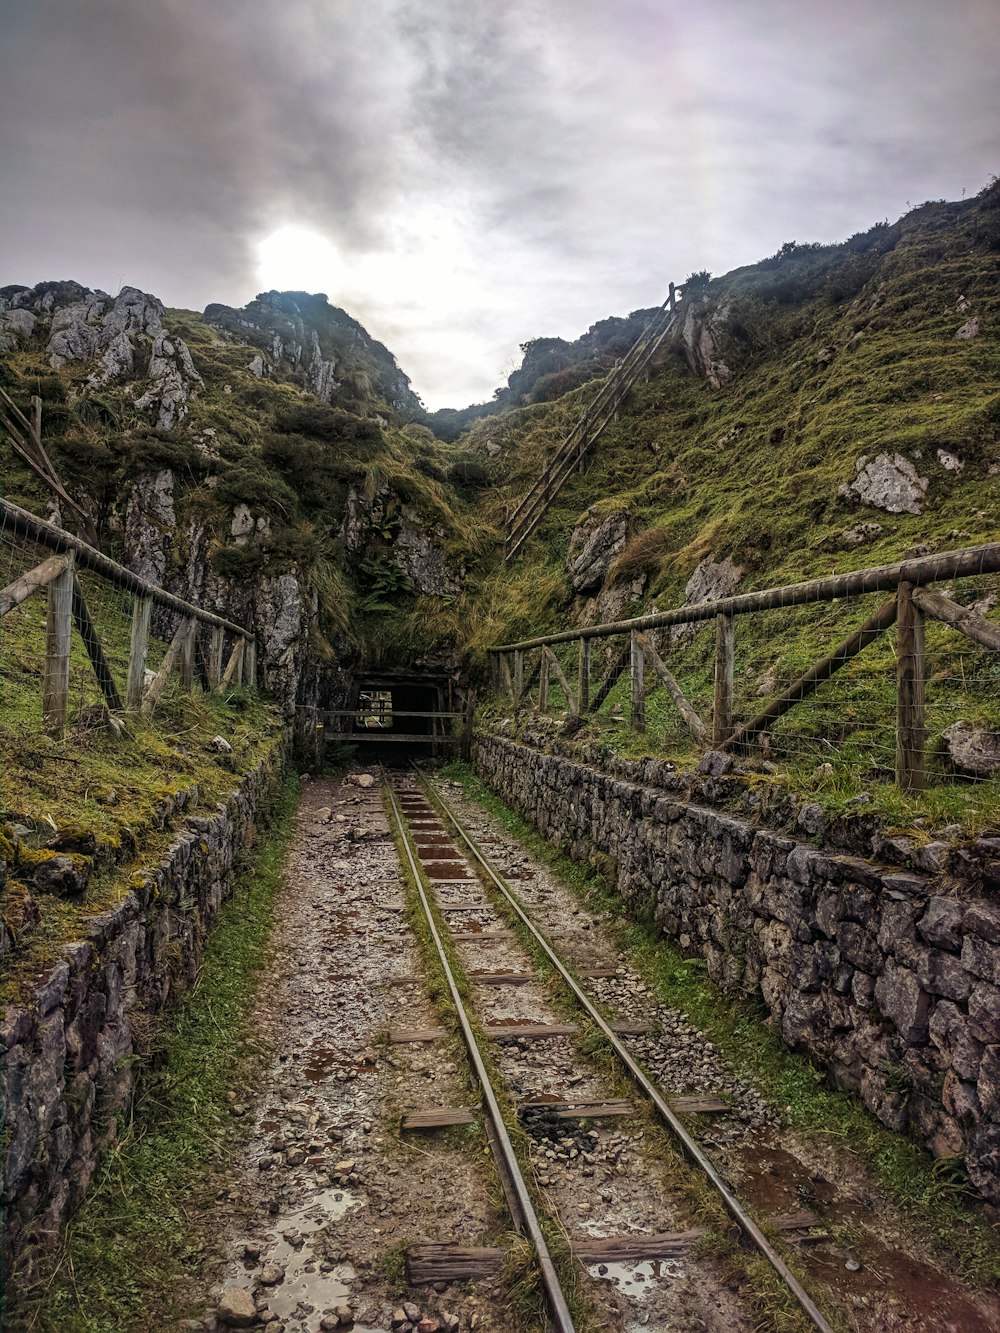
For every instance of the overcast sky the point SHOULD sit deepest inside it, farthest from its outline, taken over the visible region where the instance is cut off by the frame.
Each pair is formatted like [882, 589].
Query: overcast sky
[464, 175]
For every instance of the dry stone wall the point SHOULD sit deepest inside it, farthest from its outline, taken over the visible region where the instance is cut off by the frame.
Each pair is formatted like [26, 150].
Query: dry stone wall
[888, 977]
[69, 1050]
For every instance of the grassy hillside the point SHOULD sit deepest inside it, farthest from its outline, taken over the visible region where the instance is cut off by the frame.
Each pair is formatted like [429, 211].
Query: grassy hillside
[266, 444]
[836, 353]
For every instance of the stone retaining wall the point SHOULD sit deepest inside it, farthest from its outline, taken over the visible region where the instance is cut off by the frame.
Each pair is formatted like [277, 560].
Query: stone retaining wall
[889, 978]
[69, 1053]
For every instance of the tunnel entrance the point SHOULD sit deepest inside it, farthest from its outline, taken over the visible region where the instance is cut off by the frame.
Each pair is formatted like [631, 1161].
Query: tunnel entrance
[396, 718]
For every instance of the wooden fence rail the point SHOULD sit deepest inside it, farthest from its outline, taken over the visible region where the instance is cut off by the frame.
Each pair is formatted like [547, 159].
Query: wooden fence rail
[57, 575]
[907, 608]
[602, 409]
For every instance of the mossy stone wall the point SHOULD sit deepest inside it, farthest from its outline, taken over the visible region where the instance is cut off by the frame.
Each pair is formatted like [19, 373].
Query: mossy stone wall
[888, 977]
[71, 1050]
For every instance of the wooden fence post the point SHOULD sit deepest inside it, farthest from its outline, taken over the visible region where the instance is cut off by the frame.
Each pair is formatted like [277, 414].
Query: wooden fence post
[468, 719]
[518, 676]
[234, 667]
[722, 717]
[250, 664]
[185, 666]
[910, 687]
[543, 682]
[141, 610]
[583, 678]
[508, 684]
[216, 651]
[58, 629]
[638, 709]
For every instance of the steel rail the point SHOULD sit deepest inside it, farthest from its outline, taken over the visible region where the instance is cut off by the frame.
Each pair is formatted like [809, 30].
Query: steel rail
[515, 1187]
[690, 1146]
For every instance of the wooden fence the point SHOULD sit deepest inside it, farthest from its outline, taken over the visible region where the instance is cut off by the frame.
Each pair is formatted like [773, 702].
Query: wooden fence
[531, 509]
[909, 603]
[58, 576]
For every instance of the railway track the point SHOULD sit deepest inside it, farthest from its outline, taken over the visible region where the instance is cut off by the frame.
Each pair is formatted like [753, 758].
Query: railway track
[443, 858]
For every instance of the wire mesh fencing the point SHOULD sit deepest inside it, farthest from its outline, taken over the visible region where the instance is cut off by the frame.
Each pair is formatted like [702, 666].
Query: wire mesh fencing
[84, 639]
[870, 677]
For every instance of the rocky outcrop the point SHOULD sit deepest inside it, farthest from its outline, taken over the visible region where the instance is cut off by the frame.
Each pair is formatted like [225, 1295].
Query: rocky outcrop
[411, 543]
[593, 545]
[888, 481]
[699, 342]
[124, 334]
[314, 343]
[889, 978]
[69, 1052]
[172, 379]
[149, 524]
[415, 554]
[712, 580]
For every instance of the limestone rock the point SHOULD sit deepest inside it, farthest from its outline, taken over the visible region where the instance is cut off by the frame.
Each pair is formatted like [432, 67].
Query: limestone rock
[242, 524]
[700, 333]
[257, 366]
[712, 580]
[593, 545]
[66, 876]
[172, 380]
[890, 482]
[149, 524]
[969, 329]
[902, 1000]
[613, 598]
[237, 1308]
[951, 462]
[415, 554]
[972, 749]
[860, 533]
[16, 326]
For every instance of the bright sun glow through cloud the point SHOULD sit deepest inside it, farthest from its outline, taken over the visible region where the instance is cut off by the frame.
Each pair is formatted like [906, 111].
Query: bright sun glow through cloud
[297, 259]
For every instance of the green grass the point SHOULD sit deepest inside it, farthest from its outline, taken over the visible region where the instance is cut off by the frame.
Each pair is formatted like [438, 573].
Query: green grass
[126, 1257]
[113, 787]
[934, 1197]
[752, 472]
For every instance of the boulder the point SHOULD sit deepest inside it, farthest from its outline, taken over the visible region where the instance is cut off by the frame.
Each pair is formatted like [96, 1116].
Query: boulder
[67, 876]
[237, 1308]
[970, 329]
[712, 580]
[972, 749]
[890, 482]
[594, 544]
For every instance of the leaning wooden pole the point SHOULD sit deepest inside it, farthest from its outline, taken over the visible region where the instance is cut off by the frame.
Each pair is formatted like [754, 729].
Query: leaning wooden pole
[691, 719]
[95, 650]
[811, 680]
[32, 581]
[156, 685]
